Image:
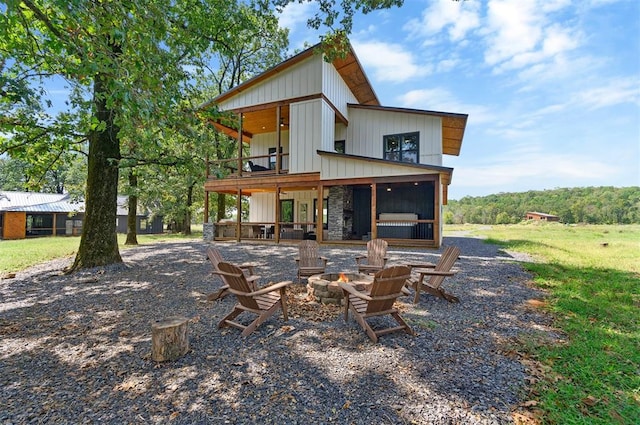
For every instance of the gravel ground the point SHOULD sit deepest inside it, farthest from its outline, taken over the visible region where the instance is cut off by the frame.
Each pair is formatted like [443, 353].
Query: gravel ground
[76, 349]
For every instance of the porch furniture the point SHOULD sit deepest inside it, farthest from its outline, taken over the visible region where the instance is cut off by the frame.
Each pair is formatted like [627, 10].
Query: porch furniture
[263, 303]
[255, 167]
[376, 259]
[297, 234]
[248, 269]
[436, 274]
[309, 261]
[388, 285]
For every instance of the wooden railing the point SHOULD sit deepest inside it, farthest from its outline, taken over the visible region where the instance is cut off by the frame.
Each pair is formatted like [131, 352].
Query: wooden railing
[262, 165]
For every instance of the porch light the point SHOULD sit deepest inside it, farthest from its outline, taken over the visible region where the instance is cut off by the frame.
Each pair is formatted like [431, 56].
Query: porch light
[388, 188]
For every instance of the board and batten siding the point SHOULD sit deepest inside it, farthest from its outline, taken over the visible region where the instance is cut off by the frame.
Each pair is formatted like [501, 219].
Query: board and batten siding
[262, 206]
[311, 128]
[302, 79]
[368, 127]
[348, 168]
[261, 143]
[336, 90]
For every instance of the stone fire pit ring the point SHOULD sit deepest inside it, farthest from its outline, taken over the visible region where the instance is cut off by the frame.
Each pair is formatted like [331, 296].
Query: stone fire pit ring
[326, 290]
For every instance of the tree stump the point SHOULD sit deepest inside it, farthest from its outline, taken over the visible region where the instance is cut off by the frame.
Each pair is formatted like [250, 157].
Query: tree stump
[169, 339]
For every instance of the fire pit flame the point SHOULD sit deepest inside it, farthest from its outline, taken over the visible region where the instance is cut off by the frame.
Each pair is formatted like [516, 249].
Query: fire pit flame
[343, 278]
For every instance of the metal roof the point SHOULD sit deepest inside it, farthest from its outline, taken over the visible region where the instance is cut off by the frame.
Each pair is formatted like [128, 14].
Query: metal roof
[38, 202]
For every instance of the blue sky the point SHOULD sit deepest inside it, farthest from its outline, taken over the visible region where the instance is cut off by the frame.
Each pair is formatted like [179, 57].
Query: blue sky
[552, 87]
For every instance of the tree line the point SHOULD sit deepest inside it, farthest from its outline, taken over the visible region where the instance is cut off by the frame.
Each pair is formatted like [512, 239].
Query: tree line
[592, 205]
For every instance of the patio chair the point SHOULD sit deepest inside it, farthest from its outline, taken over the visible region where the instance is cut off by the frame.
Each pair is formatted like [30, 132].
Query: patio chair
[387, 286]
[309, 260]
[248, 269]
[263, 303]
[437, 273]
[376, 259]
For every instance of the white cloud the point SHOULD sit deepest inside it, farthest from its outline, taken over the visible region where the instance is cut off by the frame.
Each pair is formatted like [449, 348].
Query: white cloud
[295, 15]
[616, 91]
[457, 17]
[389, 62]
[521, 33]
[442, 100]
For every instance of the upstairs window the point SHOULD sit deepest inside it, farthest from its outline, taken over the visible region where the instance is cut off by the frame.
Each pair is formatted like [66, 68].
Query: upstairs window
[402, 147]
[340, 146]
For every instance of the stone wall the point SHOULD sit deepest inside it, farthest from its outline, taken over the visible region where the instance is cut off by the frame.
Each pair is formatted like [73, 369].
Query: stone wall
[340, 213]
[208, 231]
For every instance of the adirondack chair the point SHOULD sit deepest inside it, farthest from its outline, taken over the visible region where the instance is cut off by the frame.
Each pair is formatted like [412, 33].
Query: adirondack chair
[263, 302]
[437, 273]
[248, 269]
[376, 259]
[388, 284]
[309, 260]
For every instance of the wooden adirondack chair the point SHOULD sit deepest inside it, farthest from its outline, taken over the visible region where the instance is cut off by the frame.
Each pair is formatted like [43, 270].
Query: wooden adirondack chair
[376, 257]
[263, 302]
[436, 276]
[309, 260]
[388, 284]
[248, 269]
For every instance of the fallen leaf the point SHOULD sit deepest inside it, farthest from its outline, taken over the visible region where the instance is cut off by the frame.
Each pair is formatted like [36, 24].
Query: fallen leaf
[590, 400]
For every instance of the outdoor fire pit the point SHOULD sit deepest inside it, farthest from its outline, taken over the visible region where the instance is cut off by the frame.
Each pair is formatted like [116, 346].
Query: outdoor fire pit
[325, 289]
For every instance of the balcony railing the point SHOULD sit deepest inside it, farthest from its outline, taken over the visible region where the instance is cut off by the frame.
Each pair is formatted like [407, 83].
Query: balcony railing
[252, 165]
[265, 230]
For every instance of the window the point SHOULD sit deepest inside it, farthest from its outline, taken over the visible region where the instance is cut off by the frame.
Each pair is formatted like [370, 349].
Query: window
[272, 158]
[286, 211]
[402, 147]
[339, 146]
[325, 208]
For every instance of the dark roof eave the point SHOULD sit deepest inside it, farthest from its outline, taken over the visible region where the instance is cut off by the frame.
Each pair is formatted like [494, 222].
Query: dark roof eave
[408, 110]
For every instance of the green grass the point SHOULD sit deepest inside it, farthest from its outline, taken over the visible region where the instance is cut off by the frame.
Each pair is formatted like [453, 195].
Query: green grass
[592, 275]
[16, 255]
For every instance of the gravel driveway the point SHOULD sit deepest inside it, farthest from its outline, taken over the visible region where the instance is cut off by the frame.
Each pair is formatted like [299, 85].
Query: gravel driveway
[76, 349]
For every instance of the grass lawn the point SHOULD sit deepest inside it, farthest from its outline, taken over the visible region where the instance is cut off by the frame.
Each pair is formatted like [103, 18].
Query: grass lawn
[592, 275]
[17, 255]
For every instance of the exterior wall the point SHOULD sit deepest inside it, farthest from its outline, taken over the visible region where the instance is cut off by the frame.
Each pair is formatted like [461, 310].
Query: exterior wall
[346, 168]
[367, 128]
[263, 208]
[336, 90]
[14, 225]
[303, 79]
[306, 135]
[261, 143]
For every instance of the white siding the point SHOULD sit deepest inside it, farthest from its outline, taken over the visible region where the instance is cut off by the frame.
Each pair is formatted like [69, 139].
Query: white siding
[262, 207]
[306, 132]
[336, 90]
[367, 128]
[346, 168]
[261, 143]
[302, 79]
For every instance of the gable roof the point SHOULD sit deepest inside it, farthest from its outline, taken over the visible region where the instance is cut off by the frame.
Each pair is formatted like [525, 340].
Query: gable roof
[349, 69]
[38, 202]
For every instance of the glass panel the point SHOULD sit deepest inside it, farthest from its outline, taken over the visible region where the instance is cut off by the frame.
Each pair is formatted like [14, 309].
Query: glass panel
[286, 211]
[410, 142]
[410, 156]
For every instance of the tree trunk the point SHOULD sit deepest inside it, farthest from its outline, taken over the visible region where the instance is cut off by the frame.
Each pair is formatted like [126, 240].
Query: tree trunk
[132, 213]
[187, 215]
[221, 206]
[99, 243]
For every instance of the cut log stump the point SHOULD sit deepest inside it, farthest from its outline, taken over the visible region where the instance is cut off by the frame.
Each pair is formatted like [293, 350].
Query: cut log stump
[169, 339]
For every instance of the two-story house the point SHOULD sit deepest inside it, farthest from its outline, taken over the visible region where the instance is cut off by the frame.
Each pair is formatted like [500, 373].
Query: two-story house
[328, 162]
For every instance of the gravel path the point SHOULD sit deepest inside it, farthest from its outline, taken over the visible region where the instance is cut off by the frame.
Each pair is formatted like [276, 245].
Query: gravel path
[76, 349]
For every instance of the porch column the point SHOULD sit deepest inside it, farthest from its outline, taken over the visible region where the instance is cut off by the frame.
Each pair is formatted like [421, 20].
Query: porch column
[240, 145]
[276, 231]
[374, 214]
[319, 205]
[436, 213]
[55, 221]
[278, 137]
[238, 215]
